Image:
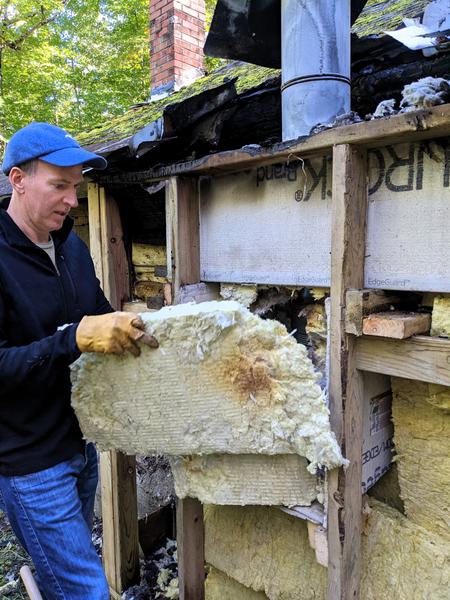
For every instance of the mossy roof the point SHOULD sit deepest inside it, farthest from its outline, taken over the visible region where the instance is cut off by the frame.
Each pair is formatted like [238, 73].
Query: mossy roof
[125, 126]
[381, 16]
[374, 19]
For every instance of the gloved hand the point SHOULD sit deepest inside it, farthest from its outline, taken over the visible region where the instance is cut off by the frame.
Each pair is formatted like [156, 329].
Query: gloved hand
[113, 333]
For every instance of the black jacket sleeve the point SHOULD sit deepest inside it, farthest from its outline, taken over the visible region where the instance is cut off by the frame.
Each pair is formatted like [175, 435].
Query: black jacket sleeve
[32, 364]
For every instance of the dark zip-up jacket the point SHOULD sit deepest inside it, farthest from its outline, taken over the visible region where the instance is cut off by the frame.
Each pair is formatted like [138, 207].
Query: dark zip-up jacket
[38, 427]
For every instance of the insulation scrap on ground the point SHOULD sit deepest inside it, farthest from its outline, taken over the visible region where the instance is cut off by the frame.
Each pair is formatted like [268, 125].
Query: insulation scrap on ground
[422, 441]
[268, 551]
[220, 587]
[244, 480]
[222, 381]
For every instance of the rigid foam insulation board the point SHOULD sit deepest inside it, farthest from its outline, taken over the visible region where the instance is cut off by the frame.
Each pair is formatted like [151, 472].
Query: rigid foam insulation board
[268, 551]
[440, 321]
[247, 479]
[220, 587]
[422, 441]
[222, 381]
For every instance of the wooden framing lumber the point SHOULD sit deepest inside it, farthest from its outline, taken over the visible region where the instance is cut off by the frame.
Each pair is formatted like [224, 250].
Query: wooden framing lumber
[396, 324]
[183, 239]
[420, 358]
[190, 548]
[345, 384]
[360, 303]
[183, 251]
[117, 471]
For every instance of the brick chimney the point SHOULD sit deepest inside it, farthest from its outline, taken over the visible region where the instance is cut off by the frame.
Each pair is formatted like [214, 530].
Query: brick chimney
[177, 30]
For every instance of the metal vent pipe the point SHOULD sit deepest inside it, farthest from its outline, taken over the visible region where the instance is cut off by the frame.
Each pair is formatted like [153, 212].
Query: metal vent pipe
[315, 61]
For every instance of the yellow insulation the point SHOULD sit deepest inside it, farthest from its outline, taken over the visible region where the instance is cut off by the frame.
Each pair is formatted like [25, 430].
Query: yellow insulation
[422, 441]
[220, 587]
[266, 550]
[402, 561]
[440, 323]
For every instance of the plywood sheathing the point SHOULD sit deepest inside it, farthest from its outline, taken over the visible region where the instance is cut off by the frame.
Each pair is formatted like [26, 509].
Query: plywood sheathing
[266, 550]
[222, 381]
[220, 587]
[422, 441]
[245, 480]
[440, 323]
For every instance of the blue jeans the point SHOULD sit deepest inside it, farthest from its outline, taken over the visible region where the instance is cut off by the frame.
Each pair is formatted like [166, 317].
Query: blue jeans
[51, 513]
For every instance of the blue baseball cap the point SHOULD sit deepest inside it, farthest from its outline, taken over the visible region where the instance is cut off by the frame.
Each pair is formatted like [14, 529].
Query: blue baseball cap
[50, 144]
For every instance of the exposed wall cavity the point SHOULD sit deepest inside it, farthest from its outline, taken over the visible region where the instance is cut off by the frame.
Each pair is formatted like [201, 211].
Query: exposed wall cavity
[223, 381]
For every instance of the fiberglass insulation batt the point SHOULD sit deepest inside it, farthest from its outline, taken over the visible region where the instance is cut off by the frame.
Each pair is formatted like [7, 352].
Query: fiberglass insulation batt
[268, 551]
[222, 381]
[421, 414]
[229, 479]
[220, 587]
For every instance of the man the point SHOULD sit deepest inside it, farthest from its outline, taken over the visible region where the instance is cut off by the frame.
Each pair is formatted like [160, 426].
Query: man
[51, 310]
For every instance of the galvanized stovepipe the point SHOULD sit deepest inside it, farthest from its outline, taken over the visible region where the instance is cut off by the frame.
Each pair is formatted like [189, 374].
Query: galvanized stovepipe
[315, 40]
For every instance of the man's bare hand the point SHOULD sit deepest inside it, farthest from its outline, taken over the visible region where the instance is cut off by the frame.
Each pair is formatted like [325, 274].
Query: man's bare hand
[113, 333]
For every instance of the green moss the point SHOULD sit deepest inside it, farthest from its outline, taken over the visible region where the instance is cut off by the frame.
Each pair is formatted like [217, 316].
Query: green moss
[381, 16]
[125, 126]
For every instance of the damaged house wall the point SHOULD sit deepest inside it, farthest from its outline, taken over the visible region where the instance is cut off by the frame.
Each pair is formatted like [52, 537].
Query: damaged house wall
[406, 545]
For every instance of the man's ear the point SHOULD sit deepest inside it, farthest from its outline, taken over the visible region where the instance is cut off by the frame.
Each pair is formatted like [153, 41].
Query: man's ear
[16, 179]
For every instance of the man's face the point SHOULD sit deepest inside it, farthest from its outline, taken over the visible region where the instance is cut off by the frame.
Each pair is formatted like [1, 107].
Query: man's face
[49, 194]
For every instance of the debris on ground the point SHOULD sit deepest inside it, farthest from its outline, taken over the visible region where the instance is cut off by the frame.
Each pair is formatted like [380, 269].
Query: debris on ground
[12, 558]
[159, 576]
[159, 579]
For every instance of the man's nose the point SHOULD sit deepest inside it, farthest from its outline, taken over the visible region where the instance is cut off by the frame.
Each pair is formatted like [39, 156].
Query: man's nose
[71, 199]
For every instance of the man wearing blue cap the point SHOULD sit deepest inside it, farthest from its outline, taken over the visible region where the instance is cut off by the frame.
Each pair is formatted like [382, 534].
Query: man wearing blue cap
[51, 310]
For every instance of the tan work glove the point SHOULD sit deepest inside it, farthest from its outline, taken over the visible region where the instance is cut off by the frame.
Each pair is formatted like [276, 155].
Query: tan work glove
[113, 333]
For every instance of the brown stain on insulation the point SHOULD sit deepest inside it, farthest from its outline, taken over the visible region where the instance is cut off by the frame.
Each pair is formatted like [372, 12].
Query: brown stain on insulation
[251, 376]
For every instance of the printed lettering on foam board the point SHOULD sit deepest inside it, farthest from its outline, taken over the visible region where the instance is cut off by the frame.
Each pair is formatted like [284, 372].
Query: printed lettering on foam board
[378, 430]
[273, 224]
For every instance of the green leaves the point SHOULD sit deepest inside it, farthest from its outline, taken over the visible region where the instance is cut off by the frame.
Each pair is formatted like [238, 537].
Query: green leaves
[75, 63]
